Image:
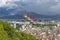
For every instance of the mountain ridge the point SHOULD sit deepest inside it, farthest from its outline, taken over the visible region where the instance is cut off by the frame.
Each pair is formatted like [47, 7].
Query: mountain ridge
[16, 14]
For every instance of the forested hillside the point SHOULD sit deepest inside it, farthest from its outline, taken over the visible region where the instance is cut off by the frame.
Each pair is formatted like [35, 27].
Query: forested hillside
[9, 33]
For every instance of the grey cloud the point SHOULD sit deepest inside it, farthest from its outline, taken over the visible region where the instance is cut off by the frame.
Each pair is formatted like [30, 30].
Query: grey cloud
[39, 6]
[44, 6]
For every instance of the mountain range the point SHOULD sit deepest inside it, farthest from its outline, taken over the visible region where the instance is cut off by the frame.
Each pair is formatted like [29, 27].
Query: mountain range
[16, 14]
[20, 15]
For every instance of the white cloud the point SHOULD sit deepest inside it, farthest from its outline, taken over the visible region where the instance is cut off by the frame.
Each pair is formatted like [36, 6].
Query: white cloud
[7, 3]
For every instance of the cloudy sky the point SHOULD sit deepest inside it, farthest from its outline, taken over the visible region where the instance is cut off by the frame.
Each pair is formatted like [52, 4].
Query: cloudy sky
[45, 7]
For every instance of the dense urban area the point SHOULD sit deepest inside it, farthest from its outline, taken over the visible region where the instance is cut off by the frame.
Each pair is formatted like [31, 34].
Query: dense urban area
[16, 30]
[29, 29]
